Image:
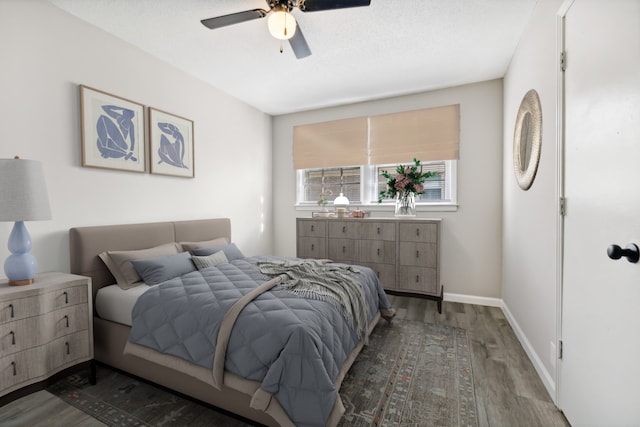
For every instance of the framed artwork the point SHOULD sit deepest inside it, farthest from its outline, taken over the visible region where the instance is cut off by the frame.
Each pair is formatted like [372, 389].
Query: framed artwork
[170, 144]
[112, 131]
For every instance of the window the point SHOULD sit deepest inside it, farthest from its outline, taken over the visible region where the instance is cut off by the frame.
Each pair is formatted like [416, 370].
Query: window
[331, 181]
[362, 184]
[347, 156]
[434, 187]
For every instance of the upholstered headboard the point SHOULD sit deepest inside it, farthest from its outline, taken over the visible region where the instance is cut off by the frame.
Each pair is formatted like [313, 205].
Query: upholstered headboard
[85, 243]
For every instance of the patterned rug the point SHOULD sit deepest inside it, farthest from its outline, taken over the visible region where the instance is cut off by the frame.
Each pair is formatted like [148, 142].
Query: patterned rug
[410, 374]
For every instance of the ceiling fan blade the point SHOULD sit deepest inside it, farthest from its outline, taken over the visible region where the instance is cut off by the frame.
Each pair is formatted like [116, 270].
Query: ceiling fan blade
[318, 5]
[299, 44]
[233, 18]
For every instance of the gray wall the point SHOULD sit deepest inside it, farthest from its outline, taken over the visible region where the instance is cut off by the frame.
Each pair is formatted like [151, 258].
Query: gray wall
[471, 236]
[529, 217]
[45, 54]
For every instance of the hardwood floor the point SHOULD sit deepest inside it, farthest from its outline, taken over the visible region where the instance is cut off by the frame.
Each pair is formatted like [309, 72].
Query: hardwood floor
[509, 393]
[508, 389]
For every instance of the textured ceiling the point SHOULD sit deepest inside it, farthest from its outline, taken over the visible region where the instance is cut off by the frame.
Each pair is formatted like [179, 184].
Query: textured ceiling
[392, 47]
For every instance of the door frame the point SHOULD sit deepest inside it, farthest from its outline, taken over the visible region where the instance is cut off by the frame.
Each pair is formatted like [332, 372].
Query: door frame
[560, 188]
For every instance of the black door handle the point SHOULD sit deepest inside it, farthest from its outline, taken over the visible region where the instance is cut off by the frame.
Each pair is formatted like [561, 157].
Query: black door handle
[631, 252]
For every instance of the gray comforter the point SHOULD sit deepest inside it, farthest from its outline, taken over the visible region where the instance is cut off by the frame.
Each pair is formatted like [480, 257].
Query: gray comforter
[293, 346]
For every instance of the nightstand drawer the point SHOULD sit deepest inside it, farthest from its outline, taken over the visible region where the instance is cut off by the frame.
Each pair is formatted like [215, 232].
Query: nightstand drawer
[35, 305]
[34, 331]
[45, 327]
[68, 349]
[20, 308]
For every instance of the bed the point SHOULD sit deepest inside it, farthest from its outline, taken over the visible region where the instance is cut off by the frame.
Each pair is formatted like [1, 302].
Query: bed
[221, 383]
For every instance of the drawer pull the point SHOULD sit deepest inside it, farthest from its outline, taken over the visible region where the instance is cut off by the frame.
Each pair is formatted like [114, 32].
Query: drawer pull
[312, 228]
[417, 254]
[418, 232]
[12, 313]
[13, 365]
[417, 278]
[378, 230]
[66, 297]
[313, 247]
[378, 274]
[68, 349]
[13, 337]
[378, 251]
[344, 249]
[67, 319]
[344, 228]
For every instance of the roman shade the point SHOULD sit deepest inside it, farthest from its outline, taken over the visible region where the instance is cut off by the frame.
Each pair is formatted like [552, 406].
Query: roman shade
[427, 134]
[330, 144]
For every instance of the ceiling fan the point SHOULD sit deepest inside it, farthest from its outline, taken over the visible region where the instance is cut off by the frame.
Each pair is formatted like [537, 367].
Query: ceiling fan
[282, 25]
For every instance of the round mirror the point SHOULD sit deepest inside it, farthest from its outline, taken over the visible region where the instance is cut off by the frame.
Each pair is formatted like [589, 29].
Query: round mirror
[527, 139]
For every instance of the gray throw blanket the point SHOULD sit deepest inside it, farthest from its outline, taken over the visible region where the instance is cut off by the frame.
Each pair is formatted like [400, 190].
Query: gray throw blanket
[325, 281]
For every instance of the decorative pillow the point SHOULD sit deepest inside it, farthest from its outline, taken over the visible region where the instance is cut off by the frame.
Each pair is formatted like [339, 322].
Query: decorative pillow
[157, 270]
[191, 246]
[231, 251]
[119, 262]
[209, 260]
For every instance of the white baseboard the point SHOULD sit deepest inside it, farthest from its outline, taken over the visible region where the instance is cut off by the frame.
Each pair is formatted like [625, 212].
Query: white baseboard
[470, 299]
[544, 375]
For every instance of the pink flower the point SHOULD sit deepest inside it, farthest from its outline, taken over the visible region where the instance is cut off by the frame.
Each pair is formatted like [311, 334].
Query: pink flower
[420, 188]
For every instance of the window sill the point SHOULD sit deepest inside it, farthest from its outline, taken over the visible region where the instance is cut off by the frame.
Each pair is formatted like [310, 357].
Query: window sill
[384, 207]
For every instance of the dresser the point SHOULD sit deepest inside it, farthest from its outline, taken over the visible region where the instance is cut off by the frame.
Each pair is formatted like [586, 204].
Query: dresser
[404, 253]
[46, 330]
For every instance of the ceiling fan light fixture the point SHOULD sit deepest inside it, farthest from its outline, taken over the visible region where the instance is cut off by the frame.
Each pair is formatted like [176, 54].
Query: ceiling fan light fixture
[282, 25]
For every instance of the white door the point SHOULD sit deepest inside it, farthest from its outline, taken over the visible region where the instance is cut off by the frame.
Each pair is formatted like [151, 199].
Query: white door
[599, 382]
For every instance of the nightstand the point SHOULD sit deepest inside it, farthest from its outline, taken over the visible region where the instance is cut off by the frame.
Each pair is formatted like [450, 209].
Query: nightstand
[46, 332]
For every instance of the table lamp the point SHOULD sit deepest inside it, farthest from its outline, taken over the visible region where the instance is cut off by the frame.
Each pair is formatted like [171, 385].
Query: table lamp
[23, 197]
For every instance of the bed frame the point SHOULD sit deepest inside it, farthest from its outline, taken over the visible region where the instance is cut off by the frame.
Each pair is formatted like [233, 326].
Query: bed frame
[85, 243]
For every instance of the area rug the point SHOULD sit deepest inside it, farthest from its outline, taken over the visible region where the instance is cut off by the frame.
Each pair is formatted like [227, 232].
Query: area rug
[410, 374]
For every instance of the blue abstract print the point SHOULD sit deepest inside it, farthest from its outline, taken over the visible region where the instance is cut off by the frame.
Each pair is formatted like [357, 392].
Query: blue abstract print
[172, 149]
[116, 133]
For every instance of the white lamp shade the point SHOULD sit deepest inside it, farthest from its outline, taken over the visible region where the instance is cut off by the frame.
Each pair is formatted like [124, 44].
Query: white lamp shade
[282, 25]
[341, 200]
[23, 191]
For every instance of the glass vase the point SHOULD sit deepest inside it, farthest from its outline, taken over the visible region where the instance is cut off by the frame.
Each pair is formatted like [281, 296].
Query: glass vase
[405, 204]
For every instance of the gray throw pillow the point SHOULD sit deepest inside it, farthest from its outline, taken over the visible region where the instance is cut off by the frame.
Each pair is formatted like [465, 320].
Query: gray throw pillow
[231, 251]
[160, 269]
[209, 260]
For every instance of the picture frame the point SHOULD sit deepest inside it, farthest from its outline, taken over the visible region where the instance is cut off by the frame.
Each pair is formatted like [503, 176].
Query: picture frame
[171, 144]
[112, 131]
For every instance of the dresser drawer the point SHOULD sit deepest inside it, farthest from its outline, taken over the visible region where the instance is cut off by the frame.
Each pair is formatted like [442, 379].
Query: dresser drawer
[379, 251]
[312, 228]
[386, 273]
[419, 280]
[344, 229]
[311, 247]
[417, 232]
[343, 250]
[378, 231]
[418, 254]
